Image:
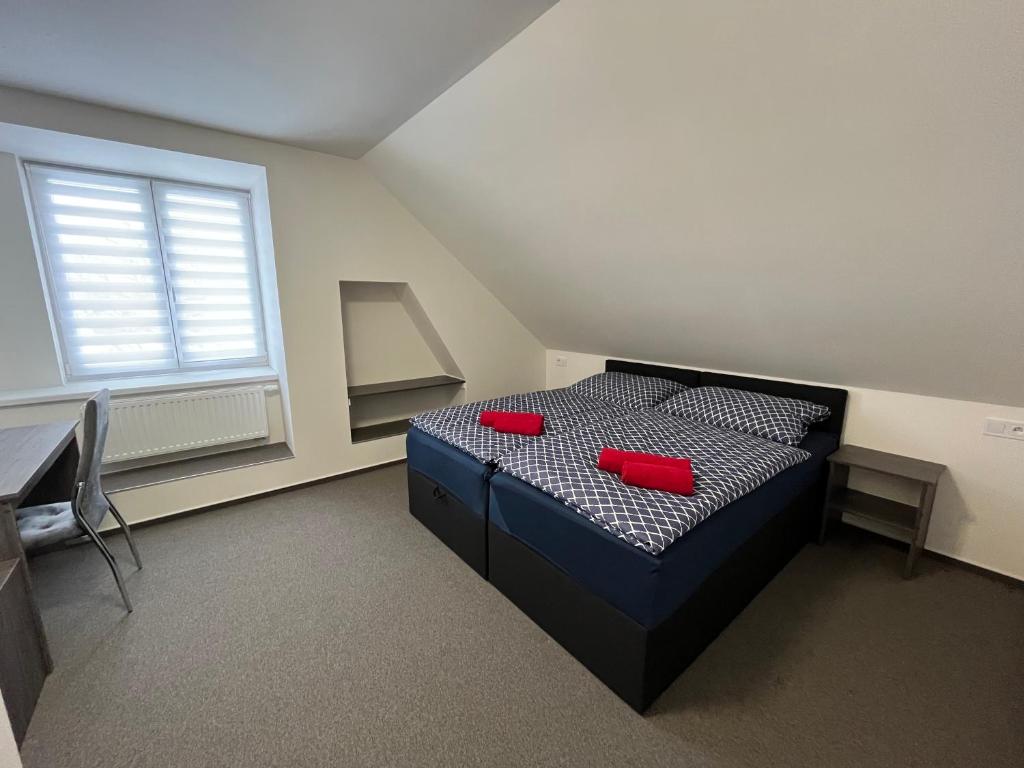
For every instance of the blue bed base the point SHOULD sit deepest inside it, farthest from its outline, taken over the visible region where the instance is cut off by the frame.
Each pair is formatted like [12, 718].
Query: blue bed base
[448, 493]
[460, 474]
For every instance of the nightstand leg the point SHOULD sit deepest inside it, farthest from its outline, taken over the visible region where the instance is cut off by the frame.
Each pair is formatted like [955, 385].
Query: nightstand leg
[924, 516]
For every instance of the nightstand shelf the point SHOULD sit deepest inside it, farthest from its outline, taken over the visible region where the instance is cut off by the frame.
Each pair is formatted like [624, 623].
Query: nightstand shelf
[904, 522]
[899, 518]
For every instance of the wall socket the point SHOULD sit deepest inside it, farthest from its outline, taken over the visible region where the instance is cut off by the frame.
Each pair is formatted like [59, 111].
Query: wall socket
[561, 361]
[1005, 428]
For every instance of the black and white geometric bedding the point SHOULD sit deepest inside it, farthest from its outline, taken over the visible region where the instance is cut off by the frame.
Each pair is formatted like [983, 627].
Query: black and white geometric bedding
[459, 425]
[726, 465]
[782, 419]
[627, 389]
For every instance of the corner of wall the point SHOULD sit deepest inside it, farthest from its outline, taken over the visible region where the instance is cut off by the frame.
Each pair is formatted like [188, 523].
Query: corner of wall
[522, 335]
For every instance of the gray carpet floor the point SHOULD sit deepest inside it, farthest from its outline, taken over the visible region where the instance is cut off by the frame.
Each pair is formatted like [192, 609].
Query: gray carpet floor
[326, 627]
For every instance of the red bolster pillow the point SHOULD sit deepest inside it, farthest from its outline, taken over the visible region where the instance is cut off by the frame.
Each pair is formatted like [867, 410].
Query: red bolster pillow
[519, 423]
[487, 418]
[612, 459]
[658, 477]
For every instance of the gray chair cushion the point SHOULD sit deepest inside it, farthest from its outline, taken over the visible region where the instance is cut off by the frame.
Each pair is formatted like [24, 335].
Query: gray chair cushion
[47, 524]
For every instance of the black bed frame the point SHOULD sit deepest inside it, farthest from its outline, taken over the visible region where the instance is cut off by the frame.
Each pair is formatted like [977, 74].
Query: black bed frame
[834, 398]
[636, 662]
[463, 531]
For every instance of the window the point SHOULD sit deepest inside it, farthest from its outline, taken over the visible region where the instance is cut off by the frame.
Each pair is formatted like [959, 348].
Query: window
[147, 276]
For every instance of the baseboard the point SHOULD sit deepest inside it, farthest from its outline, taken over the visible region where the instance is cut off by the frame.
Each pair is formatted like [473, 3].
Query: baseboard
[229, 502]
[981, 570]
[1004, 578]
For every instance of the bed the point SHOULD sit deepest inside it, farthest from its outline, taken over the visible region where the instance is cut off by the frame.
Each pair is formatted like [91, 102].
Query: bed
[634, 618]
[451, 459]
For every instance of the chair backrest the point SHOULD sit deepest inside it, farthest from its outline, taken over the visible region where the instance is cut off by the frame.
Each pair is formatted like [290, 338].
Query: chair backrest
[95, 418]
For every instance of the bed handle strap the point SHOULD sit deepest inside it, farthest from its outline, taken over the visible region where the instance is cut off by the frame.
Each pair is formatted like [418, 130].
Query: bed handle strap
[439, 494]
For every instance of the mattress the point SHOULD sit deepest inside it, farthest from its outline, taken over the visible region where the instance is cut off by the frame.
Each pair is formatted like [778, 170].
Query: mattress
[726, 465]
[450, 447]
[648, 588]
[459, 425]
[461, 475]
[460, 472]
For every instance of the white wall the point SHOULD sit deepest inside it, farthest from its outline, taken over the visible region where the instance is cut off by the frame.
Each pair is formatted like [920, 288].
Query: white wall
[332, 221]
[979, 505]
[373, 315]
[823, 189]
[26, 336]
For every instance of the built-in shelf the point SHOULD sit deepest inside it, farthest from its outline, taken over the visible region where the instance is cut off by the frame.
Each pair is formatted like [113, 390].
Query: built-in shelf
[390, 342]
[403, 385]
[377, 431]
[899, 519]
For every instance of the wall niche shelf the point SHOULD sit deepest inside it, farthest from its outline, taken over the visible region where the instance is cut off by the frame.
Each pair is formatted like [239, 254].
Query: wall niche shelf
[391, 345]
[381, 430]
[403, 385]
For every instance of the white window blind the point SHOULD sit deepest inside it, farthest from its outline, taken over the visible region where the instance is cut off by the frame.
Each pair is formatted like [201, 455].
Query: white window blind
[206, 236]
[147, 276]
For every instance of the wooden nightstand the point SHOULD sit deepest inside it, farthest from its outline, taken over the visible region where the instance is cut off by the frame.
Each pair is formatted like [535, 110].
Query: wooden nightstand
[900, 521]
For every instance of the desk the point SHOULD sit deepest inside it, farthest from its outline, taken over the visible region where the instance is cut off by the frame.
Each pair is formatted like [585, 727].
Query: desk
[37, 466]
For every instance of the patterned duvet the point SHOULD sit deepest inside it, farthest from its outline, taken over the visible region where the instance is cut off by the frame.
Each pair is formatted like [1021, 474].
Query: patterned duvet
[563, 410]
[726, 465]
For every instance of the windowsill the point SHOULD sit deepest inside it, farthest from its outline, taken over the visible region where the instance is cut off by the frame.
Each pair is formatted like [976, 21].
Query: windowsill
[116, 481]
[80, 390]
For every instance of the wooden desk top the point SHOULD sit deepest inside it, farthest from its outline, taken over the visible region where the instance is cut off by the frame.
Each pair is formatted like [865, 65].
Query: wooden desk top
[27, 452]
[888, 463]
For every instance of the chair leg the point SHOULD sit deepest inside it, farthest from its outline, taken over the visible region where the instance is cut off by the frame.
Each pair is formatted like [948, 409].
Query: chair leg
[98, 541]
[127, 531]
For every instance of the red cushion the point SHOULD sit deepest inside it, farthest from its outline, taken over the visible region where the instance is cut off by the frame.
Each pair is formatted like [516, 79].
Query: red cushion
[612, 459]
[658, 477]
[487, 418]
[519, 423]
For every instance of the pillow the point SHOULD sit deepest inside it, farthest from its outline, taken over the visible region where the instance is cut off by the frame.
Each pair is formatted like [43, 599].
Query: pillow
[781, 419]
[627, 389]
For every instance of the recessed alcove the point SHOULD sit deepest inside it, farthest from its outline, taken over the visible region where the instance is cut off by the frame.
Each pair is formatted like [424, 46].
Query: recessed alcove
[396, 363]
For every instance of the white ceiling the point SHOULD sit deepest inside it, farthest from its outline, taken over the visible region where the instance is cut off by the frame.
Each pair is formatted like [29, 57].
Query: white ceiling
[333, 76]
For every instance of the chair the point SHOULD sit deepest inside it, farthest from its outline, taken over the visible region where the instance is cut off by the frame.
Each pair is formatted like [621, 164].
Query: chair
[54, 523]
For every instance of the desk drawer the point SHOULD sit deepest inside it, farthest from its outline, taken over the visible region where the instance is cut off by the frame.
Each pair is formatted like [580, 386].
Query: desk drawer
[22, 666]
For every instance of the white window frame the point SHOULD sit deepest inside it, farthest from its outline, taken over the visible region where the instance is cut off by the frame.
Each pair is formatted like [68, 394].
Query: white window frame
[182, 367]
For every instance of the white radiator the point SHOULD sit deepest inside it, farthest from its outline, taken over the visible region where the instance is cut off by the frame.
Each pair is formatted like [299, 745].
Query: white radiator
[160, 424]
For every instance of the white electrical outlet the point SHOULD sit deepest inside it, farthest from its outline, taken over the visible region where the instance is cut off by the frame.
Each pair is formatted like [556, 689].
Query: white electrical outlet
[1005, 428]
[561, 361]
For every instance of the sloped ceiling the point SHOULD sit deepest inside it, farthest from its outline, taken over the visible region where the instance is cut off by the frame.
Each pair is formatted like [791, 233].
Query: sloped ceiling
[331, 75]
[822, 190]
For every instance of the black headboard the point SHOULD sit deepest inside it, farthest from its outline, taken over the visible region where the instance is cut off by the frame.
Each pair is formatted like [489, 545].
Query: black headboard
[683, 375]
[834, 398]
